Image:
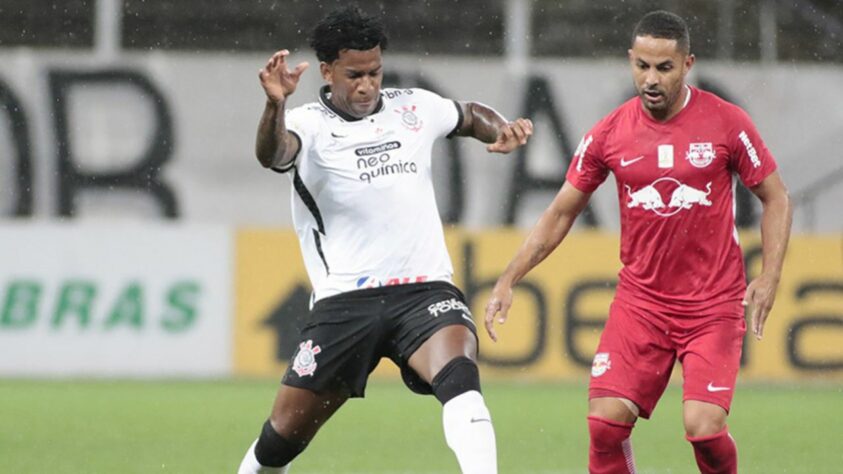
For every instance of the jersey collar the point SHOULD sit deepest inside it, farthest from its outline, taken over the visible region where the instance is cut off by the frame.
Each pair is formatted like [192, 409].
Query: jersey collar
[325, 99]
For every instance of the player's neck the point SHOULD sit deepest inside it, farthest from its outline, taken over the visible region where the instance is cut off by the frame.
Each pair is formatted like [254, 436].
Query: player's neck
[678, 106]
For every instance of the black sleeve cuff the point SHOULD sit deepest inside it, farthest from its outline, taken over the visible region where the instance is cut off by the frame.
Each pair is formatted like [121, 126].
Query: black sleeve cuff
[460, 118]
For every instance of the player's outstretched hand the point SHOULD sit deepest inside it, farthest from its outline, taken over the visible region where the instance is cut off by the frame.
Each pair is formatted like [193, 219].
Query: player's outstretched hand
[511, 136]
[760, 295]
[500, 302]
[276, 79]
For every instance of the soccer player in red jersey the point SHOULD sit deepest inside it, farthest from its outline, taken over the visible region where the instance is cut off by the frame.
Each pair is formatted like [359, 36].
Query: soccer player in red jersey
[674, 150]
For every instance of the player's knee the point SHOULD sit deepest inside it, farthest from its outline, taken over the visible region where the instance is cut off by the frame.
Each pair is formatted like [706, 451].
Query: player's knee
[621, 410]
[273, 450]
[703, 419]
[606, 434]
[459, 376]
[704, 426]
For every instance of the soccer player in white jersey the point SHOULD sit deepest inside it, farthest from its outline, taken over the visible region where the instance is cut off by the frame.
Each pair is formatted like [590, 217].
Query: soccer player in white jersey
[675, 152]
[372, 241]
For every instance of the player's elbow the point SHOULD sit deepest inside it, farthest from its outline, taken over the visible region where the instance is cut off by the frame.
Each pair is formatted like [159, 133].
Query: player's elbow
[271, 158]
[264, 159]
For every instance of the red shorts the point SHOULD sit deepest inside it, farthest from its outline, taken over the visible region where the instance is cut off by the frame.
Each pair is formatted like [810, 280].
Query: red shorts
[639, 346]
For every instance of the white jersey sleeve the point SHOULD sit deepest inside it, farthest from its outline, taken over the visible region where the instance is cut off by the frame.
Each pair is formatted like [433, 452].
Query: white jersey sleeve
[304, 124]
[445, 115]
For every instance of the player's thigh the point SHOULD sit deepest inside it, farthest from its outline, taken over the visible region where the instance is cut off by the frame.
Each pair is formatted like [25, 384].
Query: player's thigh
[710, 359]
[634, 358]
[429, 327]
[446, 344]
[297, 413]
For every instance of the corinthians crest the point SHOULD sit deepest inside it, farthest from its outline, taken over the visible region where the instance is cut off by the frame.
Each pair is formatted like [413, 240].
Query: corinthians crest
[305, 361]
[700, 154]
[409, 118]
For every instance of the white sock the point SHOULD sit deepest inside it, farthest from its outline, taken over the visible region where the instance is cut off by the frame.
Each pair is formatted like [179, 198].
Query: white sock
[250, 464]
[469, 433]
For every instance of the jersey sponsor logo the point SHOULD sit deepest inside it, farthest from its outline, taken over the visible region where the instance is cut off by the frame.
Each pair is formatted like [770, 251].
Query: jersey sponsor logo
[682, 196]
[368, 282]
[750, 149]
[409, 119]
[647, 197]
[581, 149]
[376, 166]
[444, 306]
[393, 93]
[712, 388]
[625, 163]
[700, 154]
[374, 150]
[373, 282]
[601, 364]
[305, 361]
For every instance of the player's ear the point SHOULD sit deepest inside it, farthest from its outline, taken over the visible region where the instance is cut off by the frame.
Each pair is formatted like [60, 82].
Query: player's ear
[690, 59]
[325, 70]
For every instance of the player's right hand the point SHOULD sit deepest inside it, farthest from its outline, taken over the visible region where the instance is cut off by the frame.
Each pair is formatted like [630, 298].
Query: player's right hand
[277, 80]
[500, 302]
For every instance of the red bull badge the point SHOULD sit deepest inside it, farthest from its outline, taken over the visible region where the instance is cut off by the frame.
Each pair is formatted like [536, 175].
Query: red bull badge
[700, 154]
[601, 364]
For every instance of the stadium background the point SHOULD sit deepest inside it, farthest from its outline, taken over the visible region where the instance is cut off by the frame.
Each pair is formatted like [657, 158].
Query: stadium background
[140, 239]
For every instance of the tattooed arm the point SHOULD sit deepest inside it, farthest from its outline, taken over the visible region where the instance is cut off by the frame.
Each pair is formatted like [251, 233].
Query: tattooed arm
[487, 125]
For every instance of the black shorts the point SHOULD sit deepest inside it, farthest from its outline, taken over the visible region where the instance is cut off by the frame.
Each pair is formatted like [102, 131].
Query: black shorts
[346, 335]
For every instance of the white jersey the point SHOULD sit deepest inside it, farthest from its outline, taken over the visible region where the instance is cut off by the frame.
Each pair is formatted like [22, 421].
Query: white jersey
[363, 202]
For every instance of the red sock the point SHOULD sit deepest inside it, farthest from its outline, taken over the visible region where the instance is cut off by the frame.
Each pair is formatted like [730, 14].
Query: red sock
[716, 454]
[610, 450]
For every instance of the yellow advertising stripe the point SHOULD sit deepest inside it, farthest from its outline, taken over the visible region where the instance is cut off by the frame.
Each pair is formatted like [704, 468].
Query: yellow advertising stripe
[559, 308]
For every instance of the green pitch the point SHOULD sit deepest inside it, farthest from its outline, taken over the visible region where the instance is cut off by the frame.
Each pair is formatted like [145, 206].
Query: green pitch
[204, 427]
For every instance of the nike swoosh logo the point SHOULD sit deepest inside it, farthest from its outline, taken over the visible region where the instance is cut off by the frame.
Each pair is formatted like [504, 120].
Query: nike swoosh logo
[468, 318]
[712, 388]
[475, 420]
[338, 136]
[625, 163]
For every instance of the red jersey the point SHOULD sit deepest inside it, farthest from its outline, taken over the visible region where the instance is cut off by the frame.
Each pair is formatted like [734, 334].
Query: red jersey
[679, 244]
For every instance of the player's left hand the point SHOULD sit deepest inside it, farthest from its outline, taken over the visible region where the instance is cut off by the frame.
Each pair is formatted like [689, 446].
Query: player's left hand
[500, 302]
[511, 136]
[760, 295]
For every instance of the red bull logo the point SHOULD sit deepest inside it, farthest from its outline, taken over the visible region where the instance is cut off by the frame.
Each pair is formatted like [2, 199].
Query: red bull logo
[601, 364]
[647, 197]
[700, 154]
[682, 196]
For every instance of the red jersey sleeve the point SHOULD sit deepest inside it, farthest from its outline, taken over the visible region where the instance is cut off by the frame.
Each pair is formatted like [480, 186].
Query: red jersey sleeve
[749, 156]
[588, 170]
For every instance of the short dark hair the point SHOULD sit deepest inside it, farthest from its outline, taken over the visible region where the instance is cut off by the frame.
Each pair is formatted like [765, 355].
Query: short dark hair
[666, 25]
[346, 28]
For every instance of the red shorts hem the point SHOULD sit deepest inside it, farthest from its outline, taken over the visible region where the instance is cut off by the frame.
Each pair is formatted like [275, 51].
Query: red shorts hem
[615, 392]
[726, 405]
